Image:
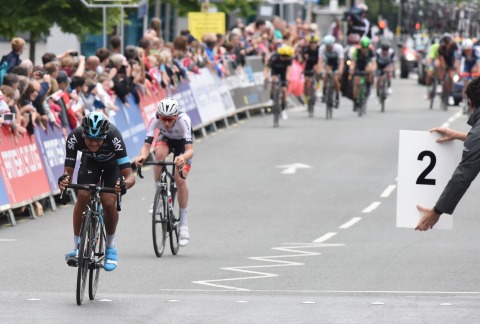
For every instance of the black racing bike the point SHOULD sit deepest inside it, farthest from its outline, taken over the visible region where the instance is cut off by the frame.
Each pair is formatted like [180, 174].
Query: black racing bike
[91, 245]
[166, 212]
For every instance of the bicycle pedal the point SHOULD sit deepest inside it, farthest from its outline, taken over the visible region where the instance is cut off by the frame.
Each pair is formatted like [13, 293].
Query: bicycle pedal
[72, 263]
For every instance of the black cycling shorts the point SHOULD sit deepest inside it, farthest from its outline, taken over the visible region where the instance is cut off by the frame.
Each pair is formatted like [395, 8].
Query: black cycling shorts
[105, 173]
[175, 146]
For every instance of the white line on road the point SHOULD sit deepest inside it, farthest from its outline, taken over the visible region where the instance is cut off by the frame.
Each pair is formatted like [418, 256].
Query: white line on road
[325, 237]
[351, 222]
[372, 207]
[295, 251]
[388, 191]
[33, 299]
[7, 240]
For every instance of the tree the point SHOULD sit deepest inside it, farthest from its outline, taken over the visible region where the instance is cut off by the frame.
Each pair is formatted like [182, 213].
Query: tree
[38, 17]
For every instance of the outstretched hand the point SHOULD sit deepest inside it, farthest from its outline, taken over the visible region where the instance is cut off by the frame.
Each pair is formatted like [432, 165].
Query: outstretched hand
[447, 134]
[429, 219]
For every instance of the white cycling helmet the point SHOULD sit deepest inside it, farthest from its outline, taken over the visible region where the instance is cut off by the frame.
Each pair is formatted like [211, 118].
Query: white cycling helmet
[328, 40]
[467, 43]
[168, 107]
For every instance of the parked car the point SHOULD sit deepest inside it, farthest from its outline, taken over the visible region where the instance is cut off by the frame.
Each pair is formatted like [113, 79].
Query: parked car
[413, 50]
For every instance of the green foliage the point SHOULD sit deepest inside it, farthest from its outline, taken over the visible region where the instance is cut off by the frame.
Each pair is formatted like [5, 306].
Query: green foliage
[246, 7]
[38, 17]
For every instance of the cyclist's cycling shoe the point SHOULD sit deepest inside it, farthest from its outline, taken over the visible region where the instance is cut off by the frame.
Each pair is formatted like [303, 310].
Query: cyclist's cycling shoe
[184, 236]
[111, 259]
[72, 258]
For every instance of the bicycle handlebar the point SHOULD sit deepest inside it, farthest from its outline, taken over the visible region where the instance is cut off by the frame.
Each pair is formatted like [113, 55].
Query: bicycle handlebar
[93, 189]
[158, 163]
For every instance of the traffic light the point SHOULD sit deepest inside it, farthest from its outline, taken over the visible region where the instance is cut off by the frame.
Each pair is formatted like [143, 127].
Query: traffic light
[417, 26]
[381, 25]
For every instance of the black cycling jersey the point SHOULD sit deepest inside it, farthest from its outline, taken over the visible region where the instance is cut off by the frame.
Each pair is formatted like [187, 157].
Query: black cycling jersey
[279, 66]
[310, 56]
[113, 148]
[362, 59]
[449, 53]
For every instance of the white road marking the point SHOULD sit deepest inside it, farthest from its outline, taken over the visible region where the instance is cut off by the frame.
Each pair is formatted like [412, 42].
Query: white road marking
[173, 301]
[7, 240]
[105, 300]
[292, 168]
[388, 191]
[351, 222]
[308, 302]
[378, 303]
[242, 301]
[446, 304]
[469, 294]
[272, 259]
[33, 299]
[445, 125]
[372, 207]
[325, 237]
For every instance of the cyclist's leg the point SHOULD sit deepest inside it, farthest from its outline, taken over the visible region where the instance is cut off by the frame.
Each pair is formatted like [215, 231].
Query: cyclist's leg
[111, 173]
[379, 72]
[451, 73]
[356, 82]
[182, 194]
[306, 85]
[162, 149]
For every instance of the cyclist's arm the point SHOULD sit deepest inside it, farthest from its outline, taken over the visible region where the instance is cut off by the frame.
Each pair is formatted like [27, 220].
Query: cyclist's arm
[287, 73]
[69, 172]
[144, 152]
[319, 66]
[266, 72]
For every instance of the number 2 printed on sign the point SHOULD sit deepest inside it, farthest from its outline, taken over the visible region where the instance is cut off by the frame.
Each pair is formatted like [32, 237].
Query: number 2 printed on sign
[422, 178]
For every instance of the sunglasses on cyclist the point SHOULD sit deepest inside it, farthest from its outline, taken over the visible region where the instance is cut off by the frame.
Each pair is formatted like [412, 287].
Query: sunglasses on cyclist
[94, 139]
[167, 119]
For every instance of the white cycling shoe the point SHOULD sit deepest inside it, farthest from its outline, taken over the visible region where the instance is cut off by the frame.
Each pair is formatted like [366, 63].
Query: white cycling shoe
[184, 235]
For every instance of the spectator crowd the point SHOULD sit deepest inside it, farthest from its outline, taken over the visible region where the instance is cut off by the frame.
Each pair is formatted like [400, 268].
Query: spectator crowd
[67, 85]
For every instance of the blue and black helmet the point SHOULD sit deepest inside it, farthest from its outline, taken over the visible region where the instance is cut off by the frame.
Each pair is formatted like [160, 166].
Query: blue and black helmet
[95, 125]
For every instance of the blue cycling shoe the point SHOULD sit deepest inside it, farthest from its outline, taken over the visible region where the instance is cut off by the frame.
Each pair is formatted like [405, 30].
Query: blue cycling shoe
[111, 259]
[72, 258]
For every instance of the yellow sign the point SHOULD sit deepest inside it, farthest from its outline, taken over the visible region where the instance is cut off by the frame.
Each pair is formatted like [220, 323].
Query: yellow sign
[200, 23]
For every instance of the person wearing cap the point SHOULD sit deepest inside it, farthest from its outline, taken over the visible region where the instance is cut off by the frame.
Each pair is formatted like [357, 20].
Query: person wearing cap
[357, 21]
[363, 60]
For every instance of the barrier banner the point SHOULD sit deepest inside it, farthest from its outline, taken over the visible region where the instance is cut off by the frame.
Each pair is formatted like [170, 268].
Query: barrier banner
[136, 126]
[186, 100]
[148, 104]
[4, 202]
[21, 168]
[52, 148]
[207, 96]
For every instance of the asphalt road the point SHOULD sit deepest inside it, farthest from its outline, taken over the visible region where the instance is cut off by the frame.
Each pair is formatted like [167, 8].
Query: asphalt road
[270, 244]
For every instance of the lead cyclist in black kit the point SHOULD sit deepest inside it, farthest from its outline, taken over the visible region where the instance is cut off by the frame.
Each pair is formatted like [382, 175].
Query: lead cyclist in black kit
[104, 157]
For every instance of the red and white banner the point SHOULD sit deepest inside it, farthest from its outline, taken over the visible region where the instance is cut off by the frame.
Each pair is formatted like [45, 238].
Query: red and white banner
[21, 168]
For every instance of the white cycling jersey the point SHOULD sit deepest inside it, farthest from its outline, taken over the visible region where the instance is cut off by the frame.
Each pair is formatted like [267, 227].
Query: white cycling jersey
[335, 54]
[181, 130]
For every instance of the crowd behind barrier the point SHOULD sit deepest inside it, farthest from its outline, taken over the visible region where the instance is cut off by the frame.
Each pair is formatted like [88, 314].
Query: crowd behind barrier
[31, 164]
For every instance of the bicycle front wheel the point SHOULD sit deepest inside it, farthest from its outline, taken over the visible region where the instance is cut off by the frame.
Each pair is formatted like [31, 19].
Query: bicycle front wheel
[173, 229]
[433, 93]
[329, 101]
[159, 222]
[383, 92]
[276, 104]
[99, 256]
[84, 254]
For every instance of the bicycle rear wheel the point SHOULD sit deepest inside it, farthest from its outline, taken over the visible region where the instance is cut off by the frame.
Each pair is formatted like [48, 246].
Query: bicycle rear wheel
[99, 256]
[159, 222]
[84, 255]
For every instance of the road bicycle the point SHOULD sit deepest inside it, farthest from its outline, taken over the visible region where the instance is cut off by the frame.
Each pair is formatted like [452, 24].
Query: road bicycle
[329, 90]
[276, 108]
[383, 93]
[362, 93]
[311, 95]
[91, 244]
[433, 90]
[445, 91]
[166, 213]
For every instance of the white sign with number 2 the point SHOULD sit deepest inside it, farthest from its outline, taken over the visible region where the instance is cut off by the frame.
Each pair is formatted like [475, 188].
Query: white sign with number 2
[424, 169]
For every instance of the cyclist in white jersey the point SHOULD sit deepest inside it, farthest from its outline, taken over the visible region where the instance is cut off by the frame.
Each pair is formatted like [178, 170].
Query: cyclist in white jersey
[385, 63]
[175, 135]
[331, 60]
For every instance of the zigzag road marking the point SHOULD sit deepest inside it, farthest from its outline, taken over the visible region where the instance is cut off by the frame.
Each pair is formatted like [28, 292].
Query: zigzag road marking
[272, 259]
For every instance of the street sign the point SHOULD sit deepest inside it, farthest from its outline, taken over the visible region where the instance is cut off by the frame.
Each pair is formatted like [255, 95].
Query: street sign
[424, 169]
